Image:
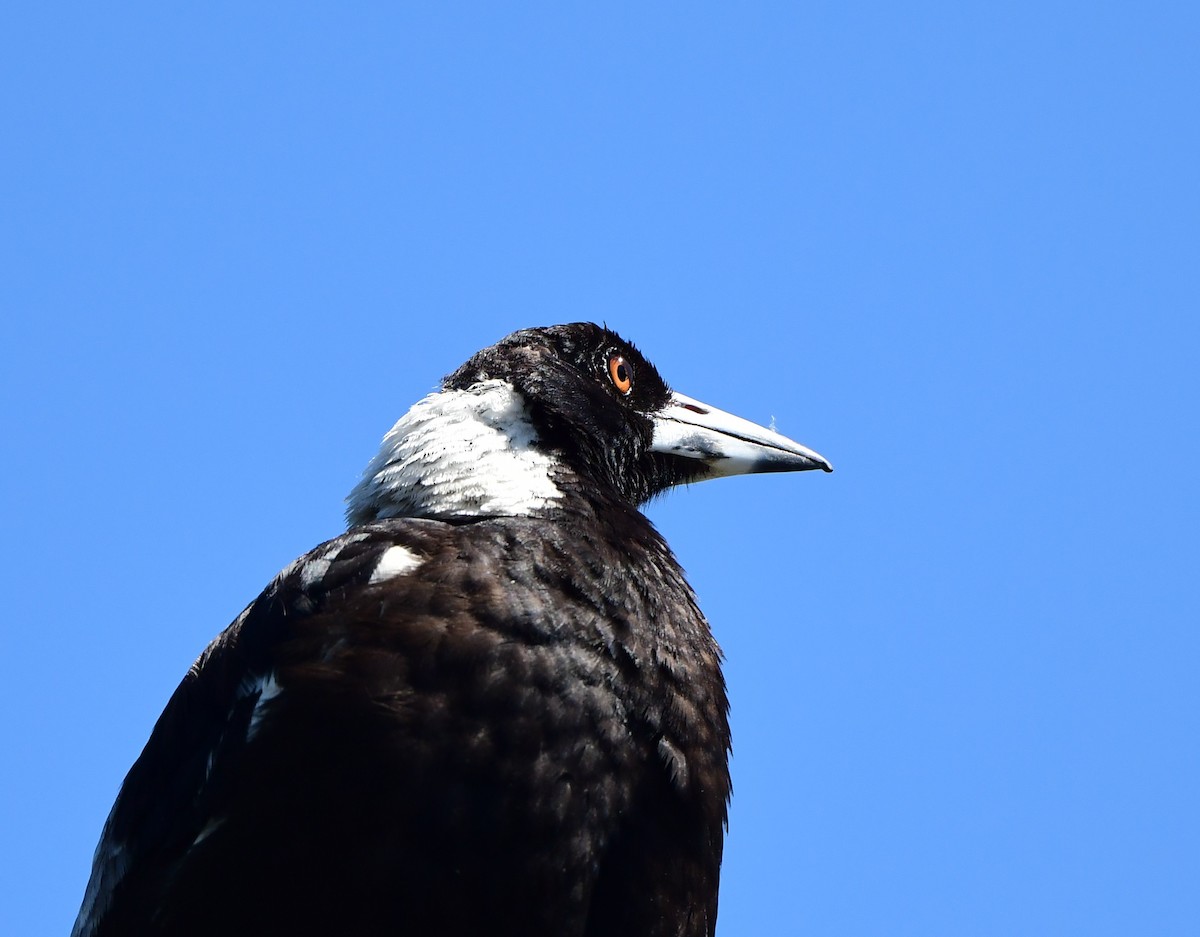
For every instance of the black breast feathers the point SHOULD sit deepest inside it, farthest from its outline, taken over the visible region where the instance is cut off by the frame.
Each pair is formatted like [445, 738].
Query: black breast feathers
[490, 707]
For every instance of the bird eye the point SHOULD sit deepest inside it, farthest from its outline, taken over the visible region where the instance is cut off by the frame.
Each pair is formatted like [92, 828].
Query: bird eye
[621, 374]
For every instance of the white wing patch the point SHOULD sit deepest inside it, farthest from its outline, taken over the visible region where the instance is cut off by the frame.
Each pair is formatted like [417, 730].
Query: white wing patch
[396, 561]
[458, 453]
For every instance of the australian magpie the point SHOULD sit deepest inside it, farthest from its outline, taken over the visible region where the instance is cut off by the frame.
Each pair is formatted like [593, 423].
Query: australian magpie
[490, 707]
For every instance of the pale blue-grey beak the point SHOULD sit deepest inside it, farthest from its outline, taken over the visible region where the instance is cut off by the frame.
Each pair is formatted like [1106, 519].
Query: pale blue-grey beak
[727, 444]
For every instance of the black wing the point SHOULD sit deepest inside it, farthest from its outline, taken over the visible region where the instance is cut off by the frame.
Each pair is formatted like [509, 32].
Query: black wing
[424, 728]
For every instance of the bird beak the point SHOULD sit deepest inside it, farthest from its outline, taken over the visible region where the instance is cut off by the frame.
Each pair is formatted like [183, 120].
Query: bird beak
[727, 444]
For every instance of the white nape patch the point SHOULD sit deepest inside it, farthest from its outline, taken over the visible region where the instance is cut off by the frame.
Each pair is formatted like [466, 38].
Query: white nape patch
[458, 453]
[396, 561]
[267, 688]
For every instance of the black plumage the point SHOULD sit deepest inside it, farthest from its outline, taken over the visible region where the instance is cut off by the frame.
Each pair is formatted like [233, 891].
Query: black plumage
[491, 706]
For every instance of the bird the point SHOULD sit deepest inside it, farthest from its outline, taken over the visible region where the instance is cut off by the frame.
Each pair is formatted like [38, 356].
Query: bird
[491, 706]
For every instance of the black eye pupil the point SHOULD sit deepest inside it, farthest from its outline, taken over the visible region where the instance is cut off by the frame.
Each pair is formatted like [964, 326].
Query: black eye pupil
[622, 373]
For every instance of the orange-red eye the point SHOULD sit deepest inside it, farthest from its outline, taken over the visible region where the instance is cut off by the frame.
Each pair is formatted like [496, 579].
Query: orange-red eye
[621, 374]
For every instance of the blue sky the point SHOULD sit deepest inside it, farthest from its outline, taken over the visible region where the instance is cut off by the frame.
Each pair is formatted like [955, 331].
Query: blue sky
[952, 247]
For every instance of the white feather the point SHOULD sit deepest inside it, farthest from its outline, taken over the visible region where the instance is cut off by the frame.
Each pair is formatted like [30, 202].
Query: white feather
[396, 561]
[458, 453]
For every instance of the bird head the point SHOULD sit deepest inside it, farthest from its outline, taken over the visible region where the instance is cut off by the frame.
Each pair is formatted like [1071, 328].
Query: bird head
[546, 406]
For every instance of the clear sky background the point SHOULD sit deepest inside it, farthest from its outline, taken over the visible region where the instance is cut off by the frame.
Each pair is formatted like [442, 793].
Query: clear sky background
[953, 247]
